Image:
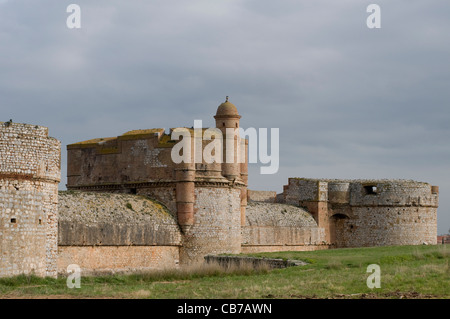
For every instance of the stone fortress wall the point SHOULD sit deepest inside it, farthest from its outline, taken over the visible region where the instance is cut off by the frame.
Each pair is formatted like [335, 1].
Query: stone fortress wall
[131, 208]
[29, 176]
[104, 232]
[208, 199]
[279, 227]
[357, 213]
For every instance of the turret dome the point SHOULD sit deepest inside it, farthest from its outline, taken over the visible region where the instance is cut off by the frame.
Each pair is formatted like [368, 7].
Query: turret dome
[227, 109]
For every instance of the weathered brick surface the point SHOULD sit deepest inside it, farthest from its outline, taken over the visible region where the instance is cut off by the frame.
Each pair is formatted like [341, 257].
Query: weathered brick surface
[29, 176]
[112, 259]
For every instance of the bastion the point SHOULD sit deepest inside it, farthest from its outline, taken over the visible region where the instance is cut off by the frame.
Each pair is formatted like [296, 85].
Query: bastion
[359, 213]
[29, 176]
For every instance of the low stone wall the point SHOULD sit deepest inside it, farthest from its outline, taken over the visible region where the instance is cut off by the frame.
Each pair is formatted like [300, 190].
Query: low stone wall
[250, 249]
[255, 262]
[112, 259]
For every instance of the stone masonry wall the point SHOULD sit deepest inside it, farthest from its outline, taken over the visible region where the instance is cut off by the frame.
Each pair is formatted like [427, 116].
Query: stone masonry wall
[103, 232]
[165, 195]
[277, 227]
[29, 177]
[103, 219]
[385, 226]
[372, 212]
[262, 196]
[299, 189]
[112, 259]
[217, 224]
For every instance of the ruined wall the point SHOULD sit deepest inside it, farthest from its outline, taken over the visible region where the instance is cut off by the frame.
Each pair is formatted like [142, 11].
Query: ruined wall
[278, 227]
[29, 177]
[217, 224]
[116, 232]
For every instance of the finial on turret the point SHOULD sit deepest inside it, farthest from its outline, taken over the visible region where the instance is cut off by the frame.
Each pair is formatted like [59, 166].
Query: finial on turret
[226, 99]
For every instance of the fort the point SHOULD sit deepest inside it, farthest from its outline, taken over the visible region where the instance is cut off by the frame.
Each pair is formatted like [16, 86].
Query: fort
[130, 207]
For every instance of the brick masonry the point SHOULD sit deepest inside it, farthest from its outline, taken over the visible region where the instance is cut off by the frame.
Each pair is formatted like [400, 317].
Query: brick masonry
[112, 259]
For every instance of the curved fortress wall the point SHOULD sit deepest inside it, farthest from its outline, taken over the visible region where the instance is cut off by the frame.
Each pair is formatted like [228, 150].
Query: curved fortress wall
[29, 177]
[389, 213]
[357, 213]
[279, 227]
[217, 224]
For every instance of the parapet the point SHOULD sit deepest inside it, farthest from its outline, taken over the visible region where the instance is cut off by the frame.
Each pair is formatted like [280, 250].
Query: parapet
[362, 192]
[261, 196]
[392, 193]
[27, 152]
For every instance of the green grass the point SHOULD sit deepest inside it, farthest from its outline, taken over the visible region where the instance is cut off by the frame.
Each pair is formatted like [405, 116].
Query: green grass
[406, 271]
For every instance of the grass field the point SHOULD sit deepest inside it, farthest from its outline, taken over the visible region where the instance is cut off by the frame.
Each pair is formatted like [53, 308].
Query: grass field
[406, 272]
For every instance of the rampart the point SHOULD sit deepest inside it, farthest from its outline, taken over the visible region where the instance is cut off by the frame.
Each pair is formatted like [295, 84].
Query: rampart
[104, 232]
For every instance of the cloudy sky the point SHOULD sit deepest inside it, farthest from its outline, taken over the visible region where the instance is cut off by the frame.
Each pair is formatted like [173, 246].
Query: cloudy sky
[350, 102]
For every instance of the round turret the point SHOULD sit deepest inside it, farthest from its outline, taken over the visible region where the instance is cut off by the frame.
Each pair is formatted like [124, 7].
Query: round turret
[227, 120]
[226, 110]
